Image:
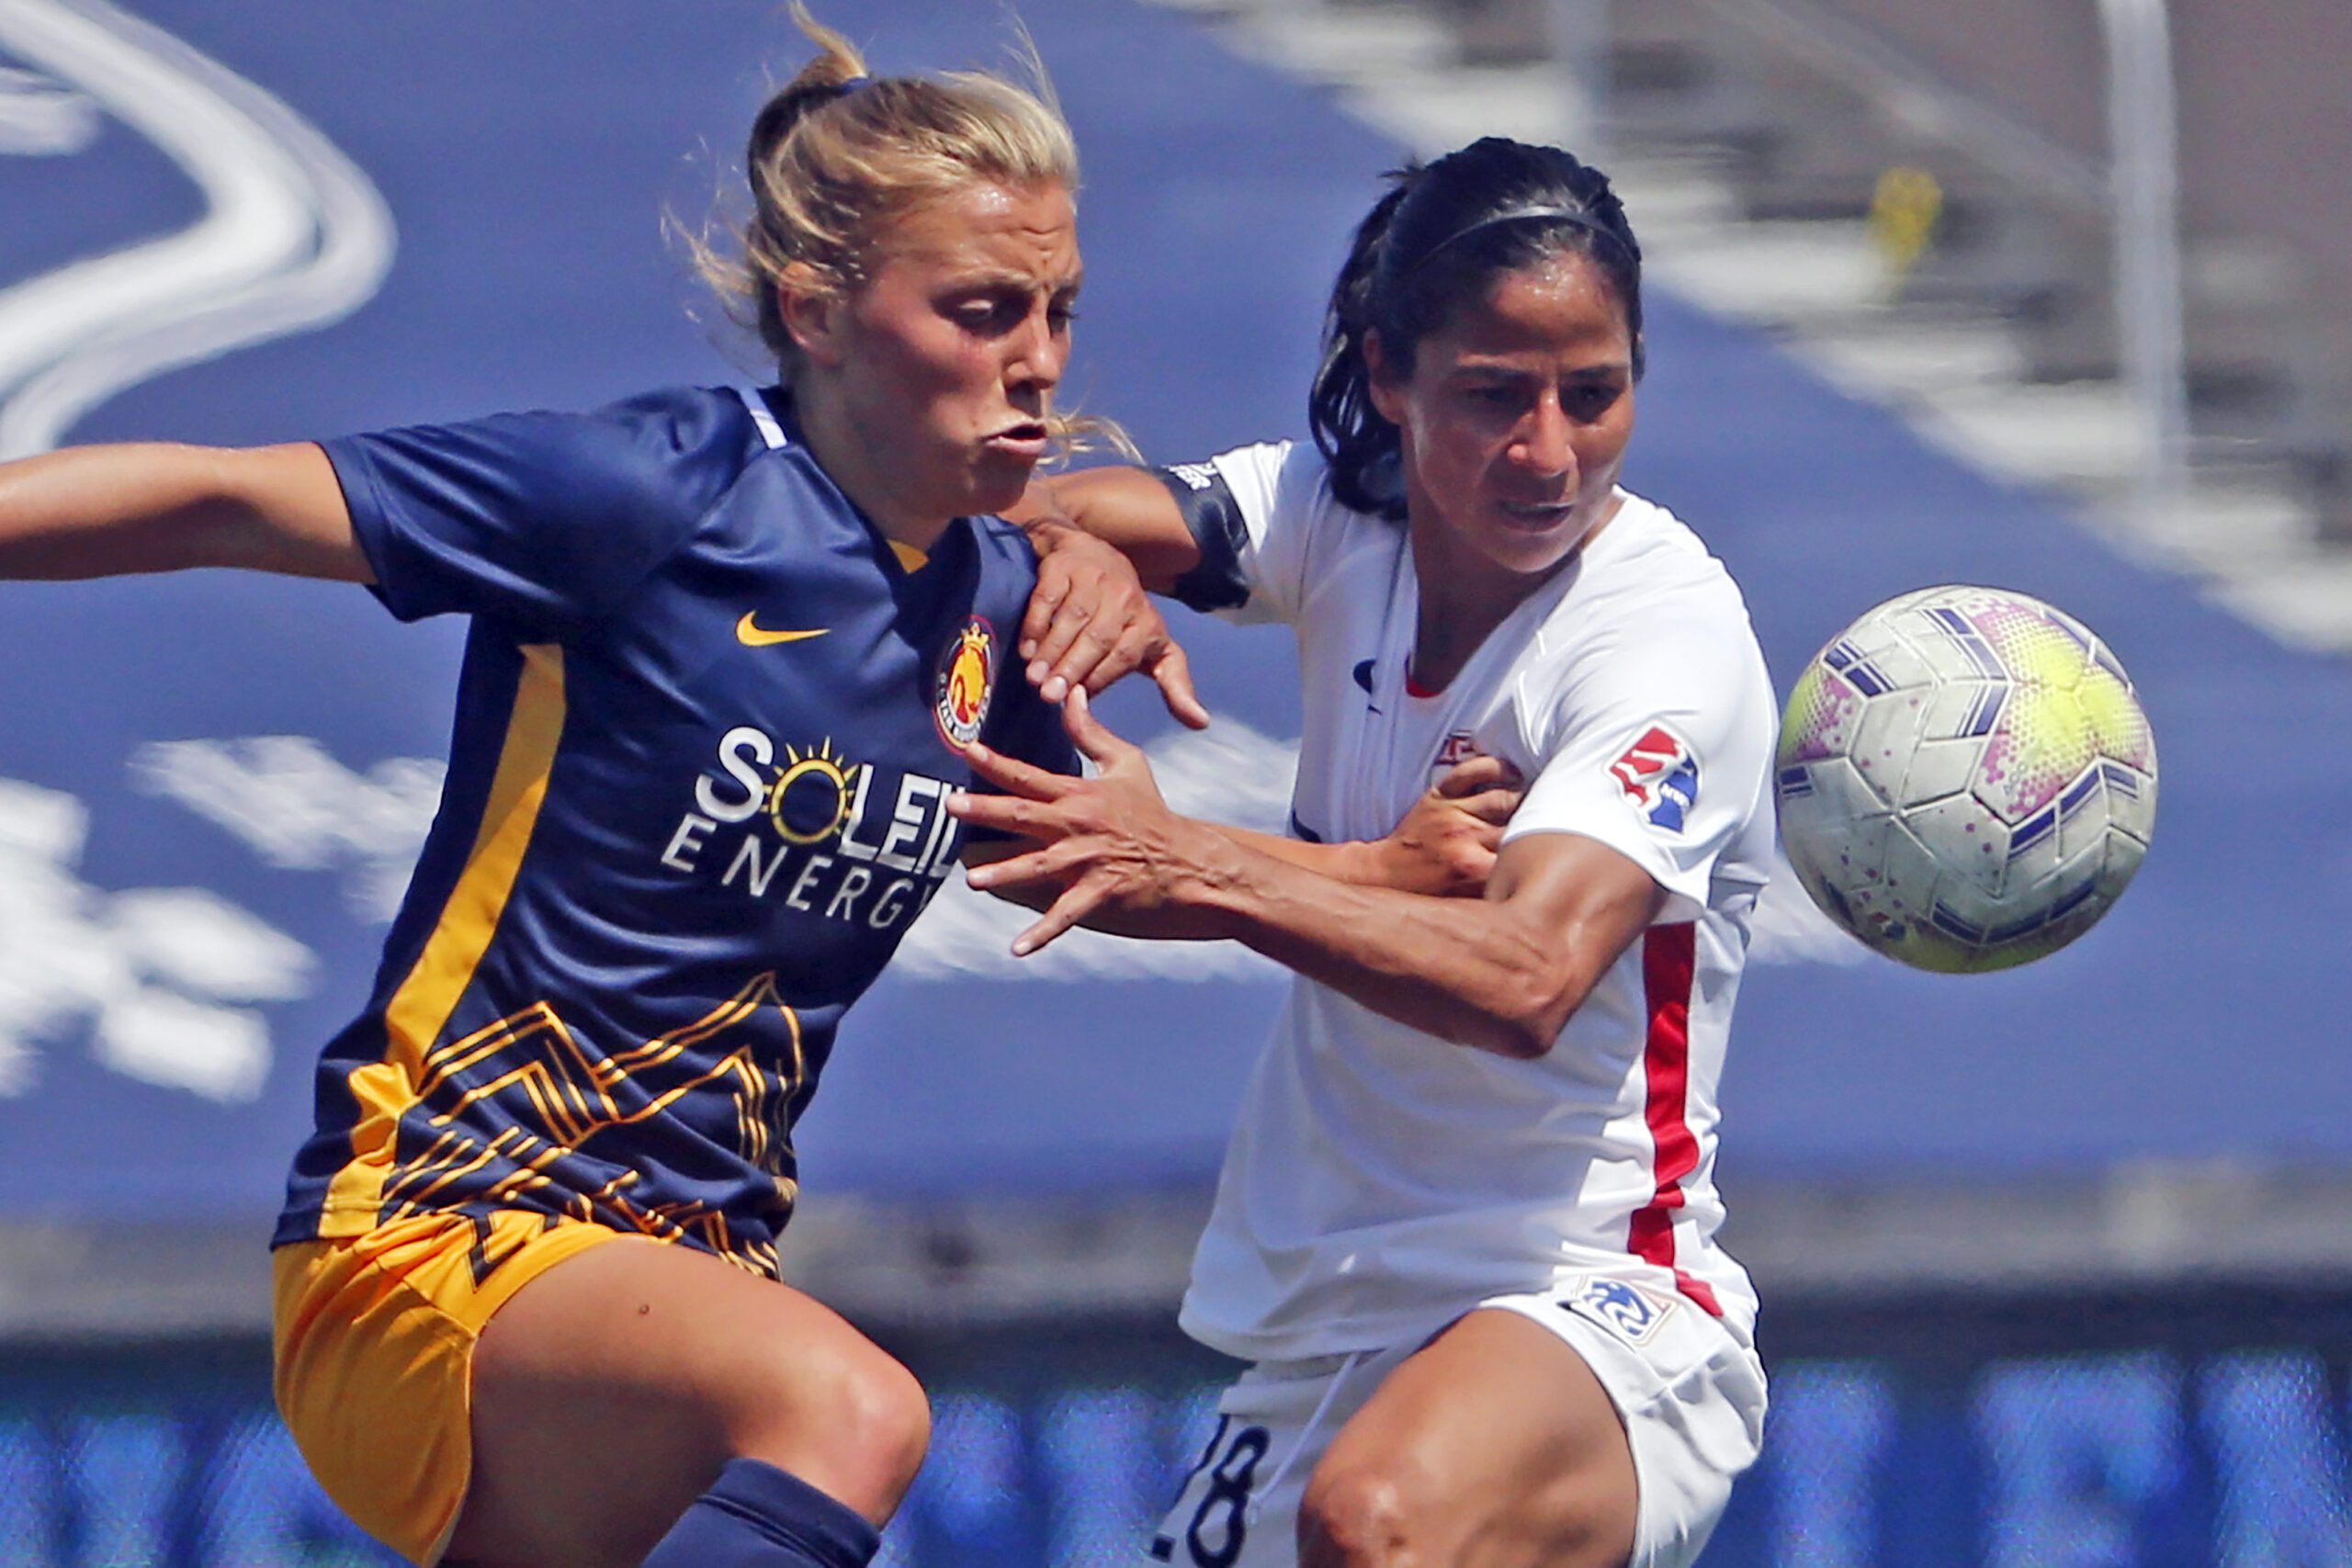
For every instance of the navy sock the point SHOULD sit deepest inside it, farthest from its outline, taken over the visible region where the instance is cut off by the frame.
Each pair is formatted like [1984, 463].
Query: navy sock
[755, 1515]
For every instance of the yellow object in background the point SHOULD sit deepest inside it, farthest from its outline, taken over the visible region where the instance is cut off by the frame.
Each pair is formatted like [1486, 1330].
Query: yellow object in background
[1904, 210]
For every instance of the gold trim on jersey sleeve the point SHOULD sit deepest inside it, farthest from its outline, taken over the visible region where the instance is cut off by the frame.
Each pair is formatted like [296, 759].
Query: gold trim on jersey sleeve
[420, 1008]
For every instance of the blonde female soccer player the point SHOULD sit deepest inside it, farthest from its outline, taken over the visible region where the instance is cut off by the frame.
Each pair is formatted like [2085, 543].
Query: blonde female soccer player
[727, 648]
[1465, 1228]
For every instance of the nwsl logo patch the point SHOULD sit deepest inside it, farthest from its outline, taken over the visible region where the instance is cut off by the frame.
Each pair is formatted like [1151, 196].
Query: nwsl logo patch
[1633, 1313]
[1659, 775]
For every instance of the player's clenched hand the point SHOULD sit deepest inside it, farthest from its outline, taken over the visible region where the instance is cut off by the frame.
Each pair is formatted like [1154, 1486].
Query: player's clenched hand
[1089, 622]
[1447, 843]
[1109, 851]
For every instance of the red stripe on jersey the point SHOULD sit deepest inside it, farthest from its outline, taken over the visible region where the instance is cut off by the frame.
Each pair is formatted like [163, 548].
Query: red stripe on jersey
[1669, 958]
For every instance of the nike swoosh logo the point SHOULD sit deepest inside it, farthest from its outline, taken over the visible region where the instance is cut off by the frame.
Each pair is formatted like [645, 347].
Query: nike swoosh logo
[750, 635]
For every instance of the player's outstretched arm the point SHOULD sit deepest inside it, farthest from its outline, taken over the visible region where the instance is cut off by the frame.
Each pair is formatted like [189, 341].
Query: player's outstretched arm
[1102, 537]
[1446, 844]
[1125, 508]
[1444, 847]
[1503, 973]
[1090, 623]
[113, 511]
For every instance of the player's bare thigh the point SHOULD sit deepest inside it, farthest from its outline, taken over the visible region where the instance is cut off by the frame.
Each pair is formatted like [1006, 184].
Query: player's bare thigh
[1493, 1446]
[610, 1390]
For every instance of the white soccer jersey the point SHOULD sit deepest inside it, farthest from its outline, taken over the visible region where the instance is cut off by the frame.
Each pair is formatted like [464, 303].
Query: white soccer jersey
[1381, 1179]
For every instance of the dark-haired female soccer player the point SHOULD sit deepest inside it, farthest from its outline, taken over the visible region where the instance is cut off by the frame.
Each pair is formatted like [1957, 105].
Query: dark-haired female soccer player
[727, 648]
[1465, 1229]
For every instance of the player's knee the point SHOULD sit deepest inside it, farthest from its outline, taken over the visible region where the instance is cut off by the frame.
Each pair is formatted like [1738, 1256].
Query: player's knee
[855, 1427]
[882, 1424]
[891, 1422]
[1361, 1512]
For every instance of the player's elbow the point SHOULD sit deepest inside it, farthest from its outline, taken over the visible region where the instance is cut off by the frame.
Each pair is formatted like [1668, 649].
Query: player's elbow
[1527, 1017]
[275, 509]
[1530, 1036]
[1544, 975]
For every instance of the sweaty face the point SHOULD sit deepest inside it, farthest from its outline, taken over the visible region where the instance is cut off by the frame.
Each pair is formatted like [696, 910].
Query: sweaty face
[944, 363]
[1515, 418]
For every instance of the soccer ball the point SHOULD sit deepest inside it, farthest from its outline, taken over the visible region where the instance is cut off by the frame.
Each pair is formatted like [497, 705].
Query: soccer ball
[1965, 780]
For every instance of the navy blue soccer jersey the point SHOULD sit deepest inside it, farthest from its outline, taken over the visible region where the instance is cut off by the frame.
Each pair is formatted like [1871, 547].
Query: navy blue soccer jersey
[707, 727]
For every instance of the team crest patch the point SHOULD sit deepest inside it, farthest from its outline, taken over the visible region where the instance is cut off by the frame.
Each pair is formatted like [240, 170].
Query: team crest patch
[966, 681]
[1659, 774]
[1627, 1310]
[1457, 750]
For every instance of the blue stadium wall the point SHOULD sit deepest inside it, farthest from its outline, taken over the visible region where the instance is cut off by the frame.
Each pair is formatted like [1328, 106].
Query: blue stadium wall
[2157, 1433]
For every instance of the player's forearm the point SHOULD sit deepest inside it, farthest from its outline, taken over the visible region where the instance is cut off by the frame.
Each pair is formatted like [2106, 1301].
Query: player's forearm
[1468, 970]
[109, 510]
[1125, 508]
[1342, 862]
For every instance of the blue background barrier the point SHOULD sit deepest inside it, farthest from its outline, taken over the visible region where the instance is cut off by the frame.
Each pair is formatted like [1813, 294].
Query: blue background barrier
[2181, 1439]
[526, 154]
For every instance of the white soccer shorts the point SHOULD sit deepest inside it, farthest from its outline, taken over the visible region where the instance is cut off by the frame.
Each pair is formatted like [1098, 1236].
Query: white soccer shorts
[1691, 1398]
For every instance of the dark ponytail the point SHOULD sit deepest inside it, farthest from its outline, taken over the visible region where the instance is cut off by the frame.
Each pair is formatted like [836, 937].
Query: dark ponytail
[1435, 240]
[1359, 446]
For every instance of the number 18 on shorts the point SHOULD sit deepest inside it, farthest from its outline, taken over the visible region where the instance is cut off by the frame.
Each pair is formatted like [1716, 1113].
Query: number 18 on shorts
[1209, 1527]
